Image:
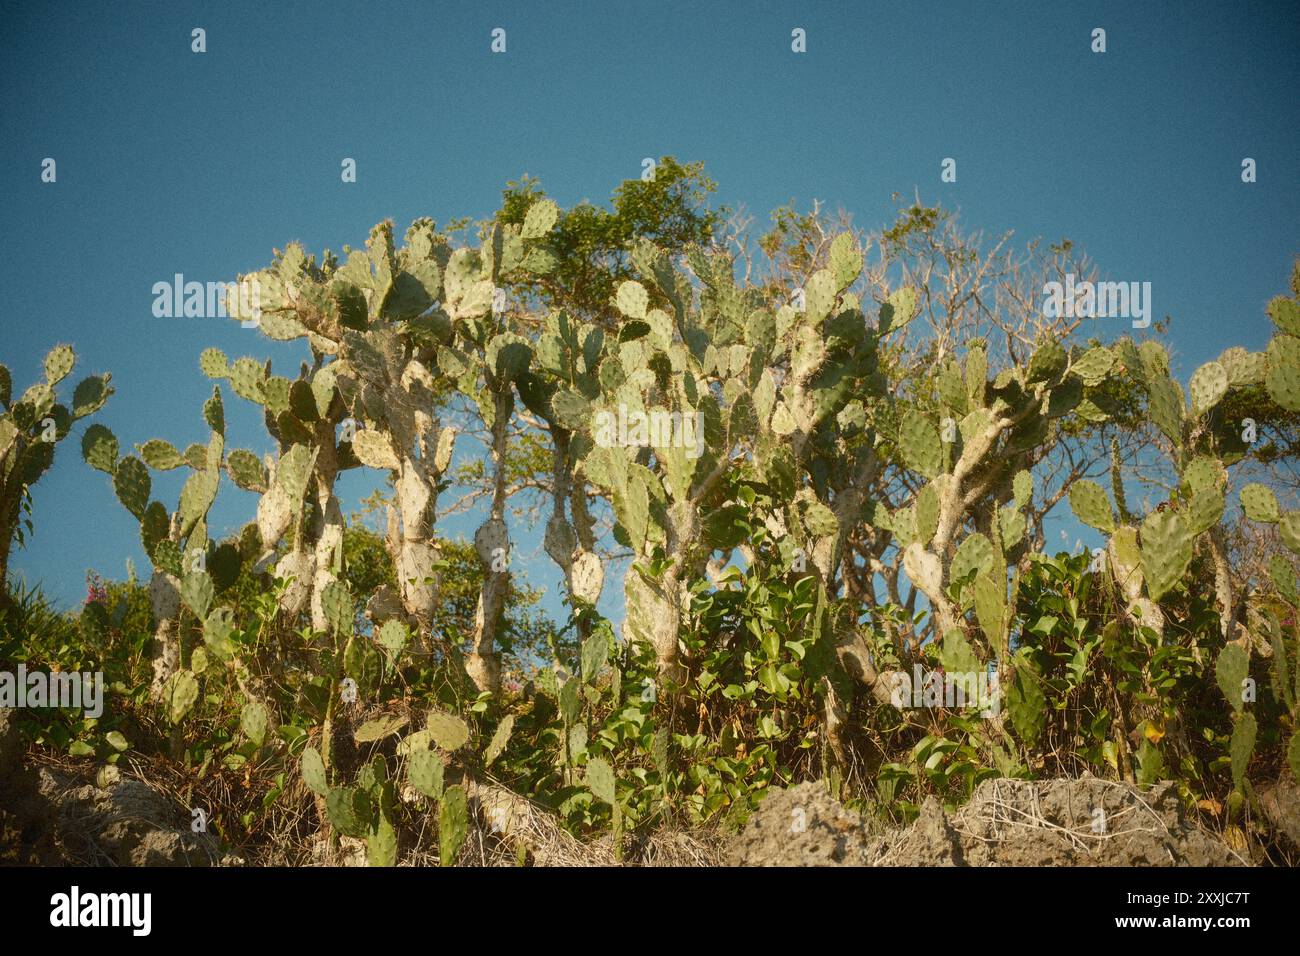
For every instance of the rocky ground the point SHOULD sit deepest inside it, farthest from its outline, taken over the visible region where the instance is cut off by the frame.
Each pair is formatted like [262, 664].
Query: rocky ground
[1006, 823]
[49, 817]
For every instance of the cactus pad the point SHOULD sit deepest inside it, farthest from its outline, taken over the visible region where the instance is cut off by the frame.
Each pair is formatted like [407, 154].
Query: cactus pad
[1013, 526]
[1209, 384]
[1243, 368]
[246, 470]
[846, 260]
[1285, 314]
[1166, 551]
[1094, 365]
[1283, 383]
[1241, 747]
[338, 606]
[927, 513]
[197, 593]
[424, 770]
[898, 310]
[1047, 363]
[1259, 503]
[90, 395]
[313, 772]
[160, 455]
[588, 577]
[453, 825]
[197, 495]
[1205, 509]
[632, 299]
[294, 471]
[1023, 488]
[973, 556]
[447, 730]
[540, 219]
[99, 449]
[1090, 505]
[132, 484]
[991, 605]
[213, 363]
[1230, 672]
[374, 450]
[1204, 472]
[58, 363]
[248, 379]
[1165, 403]
[918, 441]
[1289, 530]
[1283, 577]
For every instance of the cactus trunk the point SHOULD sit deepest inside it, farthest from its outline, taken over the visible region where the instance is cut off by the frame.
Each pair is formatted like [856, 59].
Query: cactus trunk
[492, 542]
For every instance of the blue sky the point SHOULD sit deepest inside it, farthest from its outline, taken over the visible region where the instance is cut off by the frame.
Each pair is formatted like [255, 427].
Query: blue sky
[171, 161]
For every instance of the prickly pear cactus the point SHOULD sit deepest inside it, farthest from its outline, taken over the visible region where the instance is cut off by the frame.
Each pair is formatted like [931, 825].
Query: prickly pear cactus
[31, 426]
[176, 542]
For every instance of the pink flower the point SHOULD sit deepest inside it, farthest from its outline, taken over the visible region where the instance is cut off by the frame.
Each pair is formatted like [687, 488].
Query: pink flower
[96, 593]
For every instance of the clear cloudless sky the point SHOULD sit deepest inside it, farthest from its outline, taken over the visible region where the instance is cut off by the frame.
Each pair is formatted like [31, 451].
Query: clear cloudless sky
[170, 161]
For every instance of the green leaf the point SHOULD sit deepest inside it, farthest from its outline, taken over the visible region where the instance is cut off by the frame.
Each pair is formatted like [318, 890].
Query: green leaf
[1151, 764]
